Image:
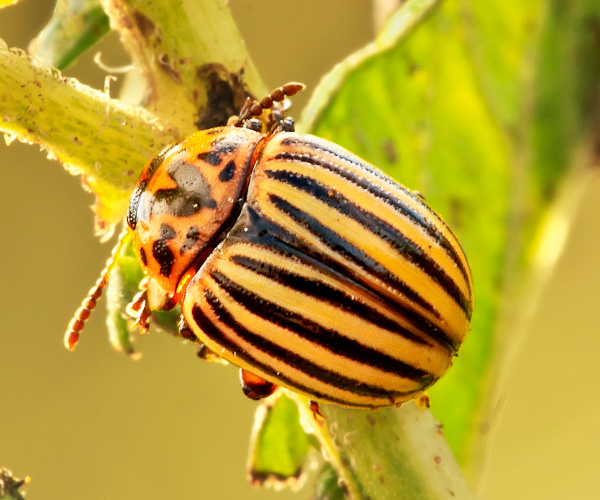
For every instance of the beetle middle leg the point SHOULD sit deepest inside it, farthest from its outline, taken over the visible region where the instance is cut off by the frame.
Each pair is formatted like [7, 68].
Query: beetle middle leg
[139, 310]
[255, 387]
[204, 352]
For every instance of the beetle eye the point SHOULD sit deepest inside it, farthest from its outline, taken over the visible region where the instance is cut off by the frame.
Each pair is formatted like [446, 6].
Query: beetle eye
[134, 203]
[288, 125]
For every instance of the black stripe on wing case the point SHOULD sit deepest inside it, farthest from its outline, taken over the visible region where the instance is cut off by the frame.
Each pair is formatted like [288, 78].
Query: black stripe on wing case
[325, 293]
[211, 331]
[255, 227]
[417, 218]
[407, 249]
[305, 141]
[313, 332]
[339, 153]
[285, 356]
[339, 245]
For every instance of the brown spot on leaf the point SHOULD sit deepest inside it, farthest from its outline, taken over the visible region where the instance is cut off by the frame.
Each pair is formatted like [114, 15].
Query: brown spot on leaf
[144, 24]
[225, 95]
[389, 150]
[164, 63]
[455, 216]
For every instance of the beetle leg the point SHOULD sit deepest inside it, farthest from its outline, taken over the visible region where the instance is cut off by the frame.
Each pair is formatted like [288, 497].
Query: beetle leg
[422, 401]
[185, 331]
[207, 355]
[284, 125]
[316, 411]
[203, 352]
[139, 310]
[254, 124]
[254, 386]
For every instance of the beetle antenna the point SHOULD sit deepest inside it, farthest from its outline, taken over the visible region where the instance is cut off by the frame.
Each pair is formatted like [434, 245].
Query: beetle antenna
[255, 108]
[89, 303]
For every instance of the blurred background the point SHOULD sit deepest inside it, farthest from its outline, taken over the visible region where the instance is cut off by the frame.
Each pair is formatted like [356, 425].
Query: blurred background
[97, 425]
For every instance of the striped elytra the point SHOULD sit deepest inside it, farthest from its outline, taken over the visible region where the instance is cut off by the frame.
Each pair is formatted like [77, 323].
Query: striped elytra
[301, 263]
[334, 281]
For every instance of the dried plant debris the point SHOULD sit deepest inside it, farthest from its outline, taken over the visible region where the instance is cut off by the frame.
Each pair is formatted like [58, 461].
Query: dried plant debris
[10, 487]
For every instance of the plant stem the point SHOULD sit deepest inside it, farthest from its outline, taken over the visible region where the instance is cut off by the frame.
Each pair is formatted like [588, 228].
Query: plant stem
[101, 138]
[192, 56]
[388, 454]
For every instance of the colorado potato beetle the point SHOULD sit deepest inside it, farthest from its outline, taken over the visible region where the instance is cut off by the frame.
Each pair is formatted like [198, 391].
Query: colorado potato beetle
[297, 261]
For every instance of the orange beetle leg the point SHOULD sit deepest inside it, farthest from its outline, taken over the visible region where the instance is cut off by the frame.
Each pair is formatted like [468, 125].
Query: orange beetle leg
[207, 355]
[185, 331]
[422, 401]
[254, 386]
[140, 311]
[316, 411]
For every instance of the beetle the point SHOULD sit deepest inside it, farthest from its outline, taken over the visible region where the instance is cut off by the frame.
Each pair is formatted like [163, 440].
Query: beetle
[297, 261]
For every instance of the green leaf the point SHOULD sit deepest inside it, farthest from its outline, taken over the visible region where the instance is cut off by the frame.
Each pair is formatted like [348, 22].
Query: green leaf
[503, 38]
[327, 486]
[75, 27]
[120, 290]
[279, 446]
[102, 139]
[566, 86]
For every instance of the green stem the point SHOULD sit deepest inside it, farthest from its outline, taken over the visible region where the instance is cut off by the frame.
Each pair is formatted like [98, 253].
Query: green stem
[198, 72]
[192, 56]
[75, 26]
[387, 454]
[98, 137]
[397, 453]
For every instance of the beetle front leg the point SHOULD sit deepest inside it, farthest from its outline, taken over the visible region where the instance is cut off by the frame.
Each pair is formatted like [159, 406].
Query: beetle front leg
[255, 387]
[139, 309]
